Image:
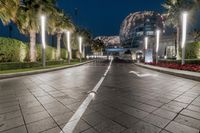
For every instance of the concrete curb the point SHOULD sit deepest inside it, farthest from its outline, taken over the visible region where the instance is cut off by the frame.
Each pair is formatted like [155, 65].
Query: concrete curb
[179, 73]
[13, 75]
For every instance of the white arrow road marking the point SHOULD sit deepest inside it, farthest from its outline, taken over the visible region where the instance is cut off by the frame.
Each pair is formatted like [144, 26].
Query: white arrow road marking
[70, 126]
[142, 75]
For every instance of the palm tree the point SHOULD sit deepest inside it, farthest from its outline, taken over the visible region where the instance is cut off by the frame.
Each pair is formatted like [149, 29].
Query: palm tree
[8, 10]
[28, 20]
[174, 9]
[58, 25]
[87, 38]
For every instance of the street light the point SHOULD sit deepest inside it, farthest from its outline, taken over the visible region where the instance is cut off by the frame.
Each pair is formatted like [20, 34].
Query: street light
[184, 32]
[145, 47]
[43, 21]
[146, 43]
[80, 47]
[157, 44]
[68, 47]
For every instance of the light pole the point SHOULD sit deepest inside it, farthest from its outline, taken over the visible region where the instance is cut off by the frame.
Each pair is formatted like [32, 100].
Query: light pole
[184, 34]
[157, 44]
[80, 48]
[145, 47]
[68, 47]
[43, 21]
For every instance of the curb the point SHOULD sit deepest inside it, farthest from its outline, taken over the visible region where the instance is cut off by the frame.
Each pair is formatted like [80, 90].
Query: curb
[13, 75]
[179, 73]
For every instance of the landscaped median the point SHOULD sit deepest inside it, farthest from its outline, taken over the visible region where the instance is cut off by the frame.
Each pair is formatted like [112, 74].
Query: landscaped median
[180, 73]
[36, 68]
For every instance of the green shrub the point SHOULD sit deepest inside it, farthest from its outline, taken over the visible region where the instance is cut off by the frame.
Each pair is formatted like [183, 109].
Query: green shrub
[12, 50]
[64, 54]
[192, 51]
[18, 65]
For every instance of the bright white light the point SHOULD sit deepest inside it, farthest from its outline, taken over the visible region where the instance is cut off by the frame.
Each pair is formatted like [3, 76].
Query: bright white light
[184, 29]
[146, 42]
[157, 40]
[68, 42]
[80, 44]
[43, 21]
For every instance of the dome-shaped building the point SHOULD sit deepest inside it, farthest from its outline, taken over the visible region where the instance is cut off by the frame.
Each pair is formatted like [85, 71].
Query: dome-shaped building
[137, 25]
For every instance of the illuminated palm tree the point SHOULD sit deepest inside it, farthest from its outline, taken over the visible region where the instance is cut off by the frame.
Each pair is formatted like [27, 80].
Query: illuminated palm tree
[174, 9]
[28, 20]
[58, 25]
[8, 10]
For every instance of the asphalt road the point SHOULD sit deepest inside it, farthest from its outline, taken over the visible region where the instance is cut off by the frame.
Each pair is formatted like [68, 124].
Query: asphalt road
[129, 99]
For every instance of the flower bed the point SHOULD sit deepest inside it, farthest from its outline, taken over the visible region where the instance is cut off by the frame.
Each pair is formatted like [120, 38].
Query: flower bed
[187, 67]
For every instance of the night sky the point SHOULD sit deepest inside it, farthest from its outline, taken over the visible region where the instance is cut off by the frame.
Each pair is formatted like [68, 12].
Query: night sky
[101, 17]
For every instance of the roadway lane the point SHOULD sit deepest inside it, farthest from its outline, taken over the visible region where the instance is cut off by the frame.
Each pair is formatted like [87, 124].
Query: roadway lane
[130, 100]
[138, 100]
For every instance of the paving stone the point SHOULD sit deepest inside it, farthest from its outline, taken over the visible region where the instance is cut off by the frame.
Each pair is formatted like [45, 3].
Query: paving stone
[157, 121]
[165, 114]
[33, 110]
[143, 127]
[40, 126]
[21, 129]
[134, 112]
[194, 108]
[53, 130]
[188, 121]
[179, 128]
[11, 123]
[192, 114]
[35, 117]
[126, 120]
[10, 115]
[185, 99]
[9, 109]
[91, 130]
[94, 118]
[62, 118]
[175, 109]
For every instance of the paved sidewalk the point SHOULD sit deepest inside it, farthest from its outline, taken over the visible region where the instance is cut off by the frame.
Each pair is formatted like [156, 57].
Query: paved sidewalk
[180, 73]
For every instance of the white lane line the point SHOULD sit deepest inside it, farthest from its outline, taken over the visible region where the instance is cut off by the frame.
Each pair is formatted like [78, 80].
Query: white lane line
[70, 126]
[143, 75]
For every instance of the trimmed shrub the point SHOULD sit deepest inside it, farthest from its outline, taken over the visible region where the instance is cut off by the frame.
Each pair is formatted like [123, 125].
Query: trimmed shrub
[64, 54]
[12, 50]
[18, 65]
[192, 51]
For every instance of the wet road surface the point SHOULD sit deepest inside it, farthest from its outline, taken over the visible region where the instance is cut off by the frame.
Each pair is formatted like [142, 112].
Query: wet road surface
[130, 99]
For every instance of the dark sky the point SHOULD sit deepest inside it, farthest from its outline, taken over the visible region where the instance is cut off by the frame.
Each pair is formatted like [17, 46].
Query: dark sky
[104, 17]
[101, 17]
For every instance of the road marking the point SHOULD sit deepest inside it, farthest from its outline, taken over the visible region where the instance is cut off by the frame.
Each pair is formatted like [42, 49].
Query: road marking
[143, 75]
[70, 126]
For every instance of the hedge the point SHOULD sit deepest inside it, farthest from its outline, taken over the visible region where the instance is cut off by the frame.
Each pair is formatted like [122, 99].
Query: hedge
[192, 51]
[21, 65]
[12, 50]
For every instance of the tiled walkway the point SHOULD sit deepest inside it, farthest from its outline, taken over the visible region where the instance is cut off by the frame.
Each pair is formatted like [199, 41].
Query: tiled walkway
[125, 103]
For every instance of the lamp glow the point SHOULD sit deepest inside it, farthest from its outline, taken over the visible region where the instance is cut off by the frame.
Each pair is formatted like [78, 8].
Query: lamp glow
[184, 29]
[184, 34]
[157, 40]
[146, 43]
[80, 44]
[43, 19]
[68, 42]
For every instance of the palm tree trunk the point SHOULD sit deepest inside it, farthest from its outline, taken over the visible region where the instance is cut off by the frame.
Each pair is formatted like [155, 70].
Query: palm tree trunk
[32, 46]
[178, 43]
[58, 46]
